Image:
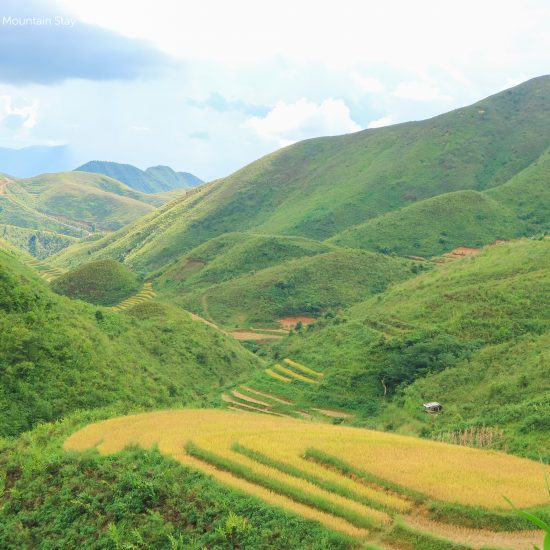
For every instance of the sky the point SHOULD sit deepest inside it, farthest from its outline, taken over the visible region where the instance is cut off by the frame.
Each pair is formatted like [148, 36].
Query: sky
[207, 87]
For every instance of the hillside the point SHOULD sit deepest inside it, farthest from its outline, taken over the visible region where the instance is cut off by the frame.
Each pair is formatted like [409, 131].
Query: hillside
[104, 282]
[155, 179]
[233, 254]
[304, 286]
[436, 225]
[59, 355]
[321, 187]
[471, 334]
[37, 214]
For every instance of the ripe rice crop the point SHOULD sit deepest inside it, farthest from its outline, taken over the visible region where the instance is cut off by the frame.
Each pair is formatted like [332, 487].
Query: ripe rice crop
[359, 479]
[303, 368]
[294, 375]
[276, 375]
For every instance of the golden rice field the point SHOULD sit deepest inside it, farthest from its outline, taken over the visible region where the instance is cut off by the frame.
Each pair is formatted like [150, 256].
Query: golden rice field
[146, 293]
[263, 455]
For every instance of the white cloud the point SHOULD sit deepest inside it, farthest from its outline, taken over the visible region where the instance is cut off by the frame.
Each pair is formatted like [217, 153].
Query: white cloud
[27, 114]
[419, 91]
[367, 83]
[378, 123]
[290, 122]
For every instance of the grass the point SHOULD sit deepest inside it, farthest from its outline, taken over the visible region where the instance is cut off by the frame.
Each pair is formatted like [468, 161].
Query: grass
[305, 286]
[277, 376]
[436, 225]
[303, 368]
[103, 282]
[60, 355]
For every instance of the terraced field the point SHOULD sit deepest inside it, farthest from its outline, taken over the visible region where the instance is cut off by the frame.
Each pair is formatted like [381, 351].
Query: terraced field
[145, 294]
[47, 272]
[374, 486]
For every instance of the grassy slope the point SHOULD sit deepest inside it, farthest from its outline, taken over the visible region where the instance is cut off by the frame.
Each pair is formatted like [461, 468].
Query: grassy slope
[307, 285]
[233, 254]
[485, 319]
[318, 188]
[58, 356]
[528, 194]
[436, 225]
[104, 282]
[72, 204]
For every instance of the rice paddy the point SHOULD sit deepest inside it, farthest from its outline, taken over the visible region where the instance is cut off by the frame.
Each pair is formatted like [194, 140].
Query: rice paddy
[280, 460]
[145, 294]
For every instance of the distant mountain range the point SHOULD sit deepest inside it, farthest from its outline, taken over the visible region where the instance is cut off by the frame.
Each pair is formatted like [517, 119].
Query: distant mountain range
[155, 179]
[31, 161]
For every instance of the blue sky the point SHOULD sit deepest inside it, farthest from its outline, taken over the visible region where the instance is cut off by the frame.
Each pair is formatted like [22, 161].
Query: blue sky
[209, 86]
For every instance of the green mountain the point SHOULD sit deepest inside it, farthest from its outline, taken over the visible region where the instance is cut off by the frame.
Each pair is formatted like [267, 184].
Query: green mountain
[436, 225]
[471, 334]
[155, 179]
[305, 286]
[321, 187]
[59, 355]
[104, 282]
[41, 214]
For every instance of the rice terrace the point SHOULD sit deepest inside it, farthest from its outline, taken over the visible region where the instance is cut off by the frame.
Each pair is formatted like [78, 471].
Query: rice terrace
[368, 485]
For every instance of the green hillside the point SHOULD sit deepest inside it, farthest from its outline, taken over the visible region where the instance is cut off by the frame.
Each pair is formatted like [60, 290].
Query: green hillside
[233, 254]
[155, 179]
[69, 204]
[59, 355]
[104, 282]
[304, 286]
[321, 187]
[471, 334]
[528, 194]
[436, 225]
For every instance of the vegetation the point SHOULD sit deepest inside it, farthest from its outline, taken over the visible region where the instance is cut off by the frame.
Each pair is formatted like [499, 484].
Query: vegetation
[35, 242]
[104, 282]
[57, 355]
[305, 286]
[50, 498]
[436, 225]
[472, 334]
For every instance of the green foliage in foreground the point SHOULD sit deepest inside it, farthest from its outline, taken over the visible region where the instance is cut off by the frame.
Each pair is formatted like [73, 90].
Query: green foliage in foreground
[138, 499]
[306, 286]
[58, 355]
[104, 282]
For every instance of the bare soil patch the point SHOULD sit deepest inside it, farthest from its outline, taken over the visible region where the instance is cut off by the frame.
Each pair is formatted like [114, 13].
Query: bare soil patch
[290, 322]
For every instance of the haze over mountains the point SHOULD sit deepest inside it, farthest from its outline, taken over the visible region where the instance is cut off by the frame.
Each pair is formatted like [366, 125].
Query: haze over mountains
[154, 179]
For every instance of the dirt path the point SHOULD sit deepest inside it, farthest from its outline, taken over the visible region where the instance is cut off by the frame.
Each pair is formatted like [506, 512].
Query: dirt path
[478, 538]
[248, 335]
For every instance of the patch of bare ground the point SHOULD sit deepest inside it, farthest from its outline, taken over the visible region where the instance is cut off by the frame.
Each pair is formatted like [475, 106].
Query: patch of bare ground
[290, 322]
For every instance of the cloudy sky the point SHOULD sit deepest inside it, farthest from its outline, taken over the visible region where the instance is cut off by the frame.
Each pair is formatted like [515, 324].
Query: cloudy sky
[209, 86]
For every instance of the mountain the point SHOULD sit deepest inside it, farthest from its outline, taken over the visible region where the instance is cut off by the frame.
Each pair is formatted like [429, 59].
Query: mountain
[51, 210]
[38, 159]
[322, 187]
[155, 179]
[60, 355]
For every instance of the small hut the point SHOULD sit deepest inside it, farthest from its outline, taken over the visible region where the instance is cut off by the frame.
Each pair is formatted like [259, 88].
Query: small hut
[433, 408]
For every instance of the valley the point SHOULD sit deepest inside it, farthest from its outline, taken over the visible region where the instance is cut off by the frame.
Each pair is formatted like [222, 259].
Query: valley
[247, 363]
